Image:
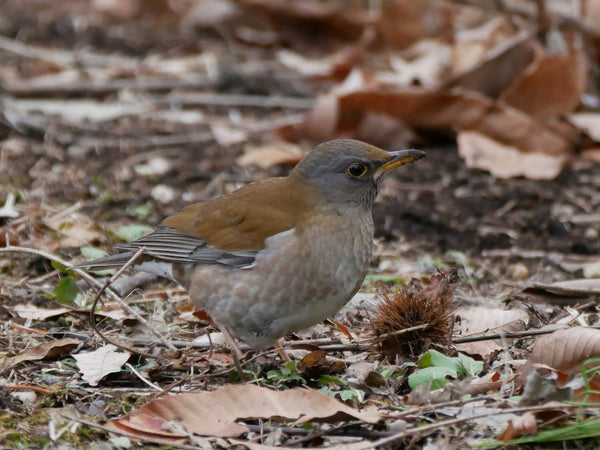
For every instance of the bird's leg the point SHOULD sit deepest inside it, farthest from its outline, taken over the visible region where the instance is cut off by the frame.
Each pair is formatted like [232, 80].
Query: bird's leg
[235, 352]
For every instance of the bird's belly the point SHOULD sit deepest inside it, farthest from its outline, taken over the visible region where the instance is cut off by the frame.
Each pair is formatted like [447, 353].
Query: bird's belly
[295, 283]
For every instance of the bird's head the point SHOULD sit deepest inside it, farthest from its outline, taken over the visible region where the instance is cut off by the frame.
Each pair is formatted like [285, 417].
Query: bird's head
[347, 171]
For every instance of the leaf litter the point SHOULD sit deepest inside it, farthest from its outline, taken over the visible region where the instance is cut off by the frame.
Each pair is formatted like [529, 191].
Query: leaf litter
[160, 107]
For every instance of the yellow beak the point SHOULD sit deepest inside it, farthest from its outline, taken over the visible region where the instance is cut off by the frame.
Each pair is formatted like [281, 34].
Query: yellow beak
[399, 158]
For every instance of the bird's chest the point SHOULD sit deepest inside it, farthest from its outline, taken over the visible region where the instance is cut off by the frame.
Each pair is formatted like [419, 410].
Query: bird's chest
[329, 254]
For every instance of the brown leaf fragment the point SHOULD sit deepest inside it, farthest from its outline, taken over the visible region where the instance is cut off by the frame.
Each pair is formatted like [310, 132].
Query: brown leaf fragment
[216, 413]
[506, 161]
[479, 320]
[566, 350]
[498, 68]
[526, 424]
[552, 85]
[490, 382]
[588, 122]
[50, 349]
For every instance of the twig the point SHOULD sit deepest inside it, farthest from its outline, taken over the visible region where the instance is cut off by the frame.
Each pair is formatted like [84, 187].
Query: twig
[127, 309]
[91, 280]
[93, 283]
[54, 87]
[436, 426]
[259, 101]
[511, 335]
[22, 387]
[145, 380]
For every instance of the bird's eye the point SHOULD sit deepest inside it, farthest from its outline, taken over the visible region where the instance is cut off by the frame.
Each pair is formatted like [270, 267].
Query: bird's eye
[356, 170]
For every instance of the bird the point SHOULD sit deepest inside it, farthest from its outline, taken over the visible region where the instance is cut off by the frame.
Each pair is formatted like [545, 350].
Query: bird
[277, 255]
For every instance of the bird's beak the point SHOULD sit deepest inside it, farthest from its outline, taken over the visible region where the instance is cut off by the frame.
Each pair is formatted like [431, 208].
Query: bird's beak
[399, 158]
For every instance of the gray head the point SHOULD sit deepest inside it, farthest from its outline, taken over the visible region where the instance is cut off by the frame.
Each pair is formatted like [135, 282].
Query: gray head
[349, 171]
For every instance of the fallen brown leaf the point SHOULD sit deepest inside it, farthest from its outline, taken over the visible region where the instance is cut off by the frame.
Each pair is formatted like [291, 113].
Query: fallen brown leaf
[505, 161]
[216, 413]
[50, 349]
[566, 350]
[527, 423]
[552, 85]
[479, 320]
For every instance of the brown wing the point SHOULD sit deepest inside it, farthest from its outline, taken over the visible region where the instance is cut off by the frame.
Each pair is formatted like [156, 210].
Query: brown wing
[242, 220]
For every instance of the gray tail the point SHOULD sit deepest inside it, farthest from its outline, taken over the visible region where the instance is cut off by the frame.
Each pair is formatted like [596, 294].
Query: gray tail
[160, 268]
[107, 262]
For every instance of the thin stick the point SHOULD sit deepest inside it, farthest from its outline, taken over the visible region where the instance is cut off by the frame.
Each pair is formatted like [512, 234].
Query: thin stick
[127, 309]
[436, 426]
[94, 284]
[145, 380]
[512, 335]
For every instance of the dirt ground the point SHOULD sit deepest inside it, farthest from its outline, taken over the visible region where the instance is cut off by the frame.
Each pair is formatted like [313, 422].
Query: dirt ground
[503, 235]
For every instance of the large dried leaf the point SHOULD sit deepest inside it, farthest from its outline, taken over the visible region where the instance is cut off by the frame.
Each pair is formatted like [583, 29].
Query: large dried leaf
[497, 68]
[505, 161]
[566, 350]
[340, 111]
[97, 364]
[216, 413]
[32, 312]
[479, 320]
[50, 349]
[589, 122]
[456, 108]
[552, 85]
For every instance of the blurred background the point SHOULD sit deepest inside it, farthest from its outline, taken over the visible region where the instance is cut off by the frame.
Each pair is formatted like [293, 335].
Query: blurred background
[114, 114]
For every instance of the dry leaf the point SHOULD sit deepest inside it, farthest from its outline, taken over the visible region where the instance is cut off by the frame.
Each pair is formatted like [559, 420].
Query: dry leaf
[340, 111]
[50, 349]
[76, 229]
[216, 413]
[97, 364]
[566, 350]
[527, 423]
[32, 312]
[270, 155]
[483, 320]
[552, 85]
[474, 46]
[505, 161]
[498, 68]
[588, 122]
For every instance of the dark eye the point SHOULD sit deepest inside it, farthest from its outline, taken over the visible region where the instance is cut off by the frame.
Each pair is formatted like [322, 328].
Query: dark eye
[356, 170]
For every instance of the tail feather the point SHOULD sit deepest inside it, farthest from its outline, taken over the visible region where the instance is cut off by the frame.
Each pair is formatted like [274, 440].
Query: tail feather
[161, 268]
[107, 262]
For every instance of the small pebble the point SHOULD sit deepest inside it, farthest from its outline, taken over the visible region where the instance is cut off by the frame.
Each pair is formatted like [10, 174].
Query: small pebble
[517, 271]
[591, 234]
[163, 193]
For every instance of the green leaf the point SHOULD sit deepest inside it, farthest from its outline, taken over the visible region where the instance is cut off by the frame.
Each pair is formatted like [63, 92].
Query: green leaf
[326, 379]
[140, 212]
[437, 359]
[66, 290]
[130, 233]
[386, 278]
[434, 375]
[90, 253]
[469, 365]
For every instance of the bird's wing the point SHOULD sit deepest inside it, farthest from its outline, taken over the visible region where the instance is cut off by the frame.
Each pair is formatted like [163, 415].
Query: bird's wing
[229, 231]
[243, 220]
